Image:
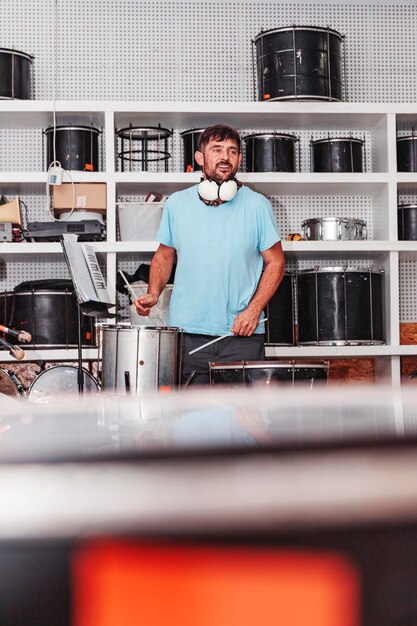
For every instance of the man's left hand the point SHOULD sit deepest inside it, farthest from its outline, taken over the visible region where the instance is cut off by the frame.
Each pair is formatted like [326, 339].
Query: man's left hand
[245, 323]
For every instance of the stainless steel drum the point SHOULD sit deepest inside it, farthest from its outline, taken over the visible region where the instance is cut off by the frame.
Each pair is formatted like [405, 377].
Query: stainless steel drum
[15, 74]
[407, 222]
[340, 306]
[246, 373]
[190, 140]
[299, 62]
[334, 228]
[139, 358]
[279, 312]
[61, 379]
[10, 385]
[270, 152]
[337, 154]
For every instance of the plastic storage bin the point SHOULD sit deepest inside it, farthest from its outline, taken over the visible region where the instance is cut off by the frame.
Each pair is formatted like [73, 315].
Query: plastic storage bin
[139, 221]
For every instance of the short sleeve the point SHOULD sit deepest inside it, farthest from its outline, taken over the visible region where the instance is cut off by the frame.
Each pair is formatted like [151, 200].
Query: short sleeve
[164, 234]
[268, 230]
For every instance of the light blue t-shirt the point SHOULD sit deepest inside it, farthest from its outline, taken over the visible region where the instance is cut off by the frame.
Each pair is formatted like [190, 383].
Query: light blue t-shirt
[218, 257]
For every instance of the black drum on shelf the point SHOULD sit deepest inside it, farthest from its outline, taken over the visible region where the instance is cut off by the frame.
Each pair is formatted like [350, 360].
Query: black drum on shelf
[279, 328]
[407, 153]
[338, 154]
[48, 310]
[338, 306]
[247, 373]
[270, 152]
[407, 222]
[299, 62]
[76, 147]
[190, 139]
[15, 75]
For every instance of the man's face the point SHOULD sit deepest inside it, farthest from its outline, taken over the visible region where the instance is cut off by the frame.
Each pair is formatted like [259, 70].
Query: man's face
[220, 160]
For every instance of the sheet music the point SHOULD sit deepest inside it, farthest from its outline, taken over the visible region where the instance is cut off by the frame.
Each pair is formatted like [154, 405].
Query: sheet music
[85, 272]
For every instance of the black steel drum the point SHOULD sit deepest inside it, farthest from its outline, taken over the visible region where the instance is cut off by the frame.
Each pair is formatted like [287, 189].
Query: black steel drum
[338, 306]
[47, 310]
[248, 373]
[407, 222]
[76, 147]
[407, 153]
[299, 62]
[270, 152]
[15, 74]
[279, 328]
[190, 139]
[337, 154]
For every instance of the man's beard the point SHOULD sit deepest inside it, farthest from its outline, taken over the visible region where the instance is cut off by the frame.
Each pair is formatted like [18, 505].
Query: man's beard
[214, 175]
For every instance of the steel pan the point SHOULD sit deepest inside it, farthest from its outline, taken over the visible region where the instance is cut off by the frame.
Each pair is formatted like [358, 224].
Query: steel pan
[15, 74]
[279, 312]
[334, 228]
[139, 358]
[190, 139]
[76, 147]
[407, 153]
[270, 152]
[246, 373]
[407, 222]
[337, 154]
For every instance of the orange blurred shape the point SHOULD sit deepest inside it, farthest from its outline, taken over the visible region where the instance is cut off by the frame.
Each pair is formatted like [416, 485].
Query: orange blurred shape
[189, 168]
[122, 583]
[266, 96]
[165, 389]
[89, 167]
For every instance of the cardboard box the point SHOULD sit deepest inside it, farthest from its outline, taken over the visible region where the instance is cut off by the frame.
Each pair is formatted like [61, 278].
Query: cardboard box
[88, 197]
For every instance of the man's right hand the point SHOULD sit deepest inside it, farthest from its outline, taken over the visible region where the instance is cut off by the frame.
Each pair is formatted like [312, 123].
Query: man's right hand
[144, 304]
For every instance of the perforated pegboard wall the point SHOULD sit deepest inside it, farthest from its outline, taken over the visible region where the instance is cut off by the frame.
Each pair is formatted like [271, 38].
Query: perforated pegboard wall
[201, 50]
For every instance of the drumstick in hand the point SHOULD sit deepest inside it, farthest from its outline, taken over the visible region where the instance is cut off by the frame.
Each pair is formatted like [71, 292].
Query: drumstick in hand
[15, 351]
[130, 289]
[21, 335]
[265, 319]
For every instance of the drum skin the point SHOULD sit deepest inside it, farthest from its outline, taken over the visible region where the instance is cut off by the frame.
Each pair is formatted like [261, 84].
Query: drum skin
[407, 222]
[76, 147]
[269, 152]
[407, 154]
[15, 74]
[190, 139]
[139, 358]
[279, 328]
[59, 380]
[337, 155]
[247, 373]
[299, 62]
[339, 307]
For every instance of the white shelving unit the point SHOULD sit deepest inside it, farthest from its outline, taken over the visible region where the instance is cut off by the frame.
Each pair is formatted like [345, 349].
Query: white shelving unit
[381, 185]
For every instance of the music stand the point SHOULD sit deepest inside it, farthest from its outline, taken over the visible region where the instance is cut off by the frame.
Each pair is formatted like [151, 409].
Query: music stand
[93, 299]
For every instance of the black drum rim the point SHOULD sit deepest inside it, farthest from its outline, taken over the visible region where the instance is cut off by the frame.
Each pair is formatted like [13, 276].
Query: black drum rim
[270, 135]
[130, 132]
[337, 140]
[191, 131]
[407, 206]
[282, 29]
[340, 270]
[11, 51]
[51, 129]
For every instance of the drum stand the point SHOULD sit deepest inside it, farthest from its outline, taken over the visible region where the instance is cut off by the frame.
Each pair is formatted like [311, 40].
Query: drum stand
[80, 374]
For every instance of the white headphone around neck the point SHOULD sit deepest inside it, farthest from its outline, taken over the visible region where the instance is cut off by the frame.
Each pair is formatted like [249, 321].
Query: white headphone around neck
[212, 192]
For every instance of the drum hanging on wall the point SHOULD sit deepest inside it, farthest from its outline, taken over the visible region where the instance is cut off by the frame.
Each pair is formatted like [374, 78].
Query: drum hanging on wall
[48, 310]
[76, 147]
[337, 154]
[270, 152]
[407, 153]
[407, 222]
[338, 306]
[15, 75]
[190, 139]
[299, 62]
